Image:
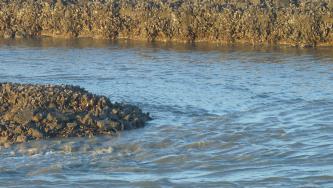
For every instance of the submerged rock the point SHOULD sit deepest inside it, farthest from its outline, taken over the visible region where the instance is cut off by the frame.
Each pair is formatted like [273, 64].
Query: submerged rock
[32, 112]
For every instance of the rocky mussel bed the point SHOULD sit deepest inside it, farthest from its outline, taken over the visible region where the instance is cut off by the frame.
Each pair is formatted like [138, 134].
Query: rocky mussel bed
[305, 23]
[33, 112]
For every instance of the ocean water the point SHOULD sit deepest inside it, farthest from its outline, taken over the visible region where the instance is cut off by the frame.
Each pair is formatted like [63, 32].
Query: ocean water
[223, 116]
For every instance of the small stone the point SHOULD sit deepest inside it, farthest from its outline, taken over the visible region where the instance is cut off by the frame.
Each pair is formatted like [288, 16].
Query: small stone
[20, 34]
[114, 111]
[51, 105]
[54, 126]
[100, 124]
[127, 117]
[330, 4]
[35, 133]
[87, 119]
[113, 125]
[38, 117]
[8, 34]
[21, 138]
[3, 139]
[71, 125]
[18, 130]
[108, 125]
[50, 117]
[24, 116]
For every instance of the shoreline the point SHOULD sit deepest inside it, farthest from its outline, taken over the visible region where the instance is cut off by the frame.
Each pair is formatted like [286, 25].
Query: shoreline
[301, 24]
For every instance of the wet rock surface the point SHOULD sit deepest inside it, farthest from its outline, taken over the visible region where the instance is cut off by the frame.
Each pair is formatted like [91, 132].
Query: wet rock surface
[32, 112]
[293, 22]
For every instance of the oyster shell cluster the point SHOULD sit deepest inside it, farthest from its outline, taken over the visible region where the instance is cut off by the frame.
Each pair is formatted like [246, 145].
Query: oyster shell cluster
[292, 22]
[32, 112]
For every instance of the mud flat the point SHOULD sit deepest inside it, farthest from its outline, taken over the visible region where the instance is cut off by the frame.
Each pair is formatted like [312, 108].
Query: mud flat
[32, 112]
[303, 23]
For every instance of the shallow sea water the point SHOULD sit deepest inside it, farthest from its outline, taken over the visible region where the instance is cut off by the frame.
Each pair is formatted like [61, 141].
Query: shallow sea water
[223, 116]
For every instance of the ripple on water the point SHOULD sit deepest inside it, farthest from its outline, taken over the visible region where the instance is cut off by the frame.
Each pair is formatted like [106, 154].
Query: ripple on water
[230, 117]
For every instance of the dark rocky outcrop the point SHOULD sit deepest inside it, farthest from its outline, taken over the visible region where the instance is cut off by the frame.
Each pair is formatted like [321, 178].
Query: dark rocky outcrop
[29, 112]
[291, 22]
